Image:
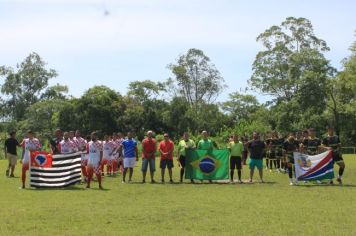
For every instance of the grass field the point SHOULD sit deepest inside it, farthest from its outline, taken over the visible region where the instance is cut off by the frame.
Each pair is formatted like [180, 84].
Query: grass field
[273, 208]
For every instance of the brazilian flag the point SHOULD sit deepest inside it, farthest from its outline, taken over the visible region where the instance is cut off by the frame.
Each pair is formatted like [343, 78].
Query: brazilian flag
[203, 164]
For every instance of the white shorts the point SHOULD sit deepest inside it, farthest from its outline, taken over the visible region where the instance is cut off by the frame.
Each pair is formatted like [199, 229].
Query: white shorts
[93, 162]
[129, 162]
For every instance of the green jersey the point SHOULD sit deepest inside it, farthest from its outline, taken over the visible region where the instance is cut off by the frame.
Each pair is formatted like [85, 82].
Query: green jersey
[236, 149]
[183, 145]
[205, 144]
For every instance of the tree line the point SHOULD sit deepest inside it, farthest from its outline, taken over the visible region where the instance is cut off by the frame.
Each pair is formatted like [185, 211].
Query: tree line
[305, 91]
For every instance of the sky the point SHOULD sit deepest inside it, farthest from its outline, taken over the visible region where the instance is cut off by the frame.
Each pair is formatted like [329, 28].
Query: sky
[113, 42]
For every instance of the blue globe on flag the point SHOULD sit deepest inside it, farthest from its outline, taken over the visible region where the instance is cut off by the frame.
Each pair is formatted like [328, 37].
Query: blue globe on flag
[207, 165]
[41, 159]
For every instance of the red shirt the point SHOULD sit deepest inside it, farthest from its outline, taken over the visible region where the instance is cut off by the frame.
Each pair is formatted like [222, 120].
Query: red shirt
[148, 146]
[166, 146]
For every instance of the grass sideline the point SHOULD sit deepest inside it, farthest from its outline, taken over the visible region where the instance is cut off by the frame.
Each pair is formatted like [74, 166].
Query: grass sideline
[273, 208]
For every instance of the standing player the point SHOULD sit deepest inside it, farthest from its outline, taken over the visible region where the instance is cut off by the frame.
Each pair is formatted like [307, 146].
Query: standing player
[332, 141]
[236, 148]
[313, 143]
[149, 148]
[84, 159]
[184, 145]
[66, 146]
[290, 145]
[30, 144]
[119, 162]
[95, 151]
[256, 147]
[129, 147]
[108, 149]
[166, 148]
[55, 141]
[205, 144]
[10, 148]
[79, 141]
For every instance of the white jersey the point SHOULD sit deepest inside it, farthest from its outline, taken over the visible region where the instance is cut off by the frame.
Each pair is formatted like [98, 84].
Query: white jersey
[30, 145]
[67, 146]
[94, 152]
[80, 143]
[108, 148]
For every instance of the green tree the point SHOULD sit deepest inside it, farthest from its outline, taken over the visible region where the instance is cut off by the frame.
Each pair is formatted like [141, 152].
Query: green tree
[196, 78]
[240, 106]
[23, 87]
[293, 70]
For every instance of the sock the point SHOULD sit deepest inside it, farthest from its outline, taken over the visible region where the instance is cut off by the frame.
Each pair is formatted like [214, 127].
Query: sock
[341, 172]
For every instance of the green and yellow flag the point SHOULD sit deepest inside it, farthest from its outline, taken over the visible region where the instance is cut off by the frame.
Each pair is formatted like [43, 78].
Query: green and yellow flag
[203, 164]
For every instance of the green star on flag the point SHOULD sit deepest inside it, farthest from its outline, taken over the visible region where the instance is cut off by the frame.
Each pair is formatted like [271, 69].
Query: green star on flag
[209, 165]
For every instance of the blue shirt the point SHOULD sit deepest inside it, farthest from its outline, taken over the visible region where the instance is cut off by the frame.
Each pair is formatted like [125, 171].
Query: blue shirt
[129, 146]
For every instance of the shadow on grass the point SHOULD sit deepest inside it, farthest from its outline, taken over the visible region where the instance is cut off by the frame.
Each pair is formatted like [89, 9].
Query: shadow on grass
[327, 185]
[71, 188]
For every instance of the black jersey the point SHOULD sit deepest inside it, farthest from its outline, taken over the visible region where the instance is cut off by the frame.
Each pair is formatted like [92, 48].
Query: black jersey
[333, 142]
[313, 145]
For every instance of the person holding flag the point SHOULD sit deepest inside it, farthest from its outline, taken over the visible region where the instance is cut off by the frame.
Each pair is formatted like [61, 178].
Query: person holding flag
[236, 148]
[66, 146]
[332, 141]
[55, 141]
[290, 145]
[29, 144]
[95, 151]
[205, 144]
[184, 145]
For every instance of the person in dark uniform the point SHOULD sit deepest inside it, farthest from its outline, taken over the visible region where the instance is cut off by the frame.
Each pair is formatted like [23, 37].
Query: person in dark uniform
[332, 141]
[290, 145]
[55, 141]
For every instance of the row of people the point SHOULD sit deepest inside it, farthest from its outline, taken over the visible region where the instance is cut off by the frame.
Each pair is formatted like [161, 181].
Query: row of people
[118, 153]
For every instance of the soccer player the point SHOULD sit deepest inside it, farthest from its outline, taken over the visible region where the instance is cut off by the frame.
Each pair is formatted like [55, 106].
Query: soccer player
[269, 154]
[236, 148]
[79, 141]
[332, 141]
[30, 144]
[290, 145]
[10, 148]
[166, 148]
[313, 143]
[66, 146]
[71, 135]
[244, 140]
[84, 159]
[184, 145]
[109, 147]
[95, 151]
[149, 148]
[205, 144]
[256, 147]
[55, 141]
[129, 147]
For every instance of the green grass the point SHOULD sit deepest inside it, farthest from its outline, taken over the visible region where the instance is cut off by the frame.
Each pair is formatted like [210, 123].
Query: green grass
[274, 208]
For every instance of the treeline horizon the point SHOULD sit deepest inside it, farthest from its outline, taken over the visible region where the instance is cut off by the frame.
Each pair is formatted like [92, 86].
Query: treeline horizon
[305, 91]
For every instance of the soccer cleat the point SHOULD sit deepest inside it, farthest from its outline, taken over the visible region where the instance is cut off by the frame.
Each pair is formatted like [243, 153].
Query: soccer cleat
[291, 183]
[7, 173]
[12, 175]
[143, 181]
[331, 182]
[171, 181]
[240, 181]
[123, 182]
[153, 181]
[339, 180]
